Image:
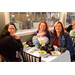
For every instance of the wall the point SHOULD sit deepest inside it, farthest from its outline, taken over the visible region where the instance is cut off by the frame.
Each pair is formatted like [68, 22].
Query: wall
[2, 21]
[26, 38]
[63, 17]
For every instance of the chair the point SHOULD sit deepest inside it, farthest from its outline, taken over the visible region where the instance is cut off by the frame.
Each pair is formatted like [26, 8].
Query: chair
[30, 58]
[3, 56]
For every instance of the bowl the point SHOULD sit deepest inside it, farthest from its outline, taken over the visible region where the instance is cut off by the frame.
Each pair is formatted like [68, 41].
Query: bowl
[25, 45]
[42, 52]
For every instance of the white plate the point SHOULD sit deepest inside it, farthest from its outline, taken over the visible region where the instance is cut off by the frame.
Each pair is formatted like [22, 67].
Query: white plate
[55, 54]
[55, 46]
[34, 48]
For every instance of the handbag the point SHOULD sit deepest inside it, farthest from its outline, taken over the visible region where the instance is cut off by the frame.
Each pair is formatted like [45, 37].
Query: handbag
[62, 49]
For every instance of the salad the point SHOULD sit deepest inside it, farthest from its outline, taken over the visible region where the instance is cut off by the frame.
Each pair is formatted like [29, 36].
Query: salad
[42, 52]
[25, 45]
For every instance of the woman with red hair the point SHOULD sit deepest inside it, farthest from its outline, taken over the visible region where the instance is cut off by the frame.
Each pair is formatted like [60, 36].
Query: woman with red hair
[41, 32]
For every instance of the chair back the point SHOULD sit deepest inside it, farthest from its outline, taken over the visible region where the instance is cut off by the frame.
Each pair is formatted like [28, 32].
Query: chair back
[3, 56]
[30, 58]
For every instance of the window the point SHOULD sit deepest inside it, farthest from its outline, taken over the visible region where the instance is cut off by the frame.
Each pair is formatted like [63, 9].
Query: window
[30, 20]
[52, 17]
[70, 18]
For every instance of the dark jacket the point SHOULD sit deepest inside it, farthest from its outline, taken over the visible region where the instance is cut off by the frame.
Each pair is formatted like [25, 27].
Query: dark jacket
[10, 45]
[69, 28]
[64, 41]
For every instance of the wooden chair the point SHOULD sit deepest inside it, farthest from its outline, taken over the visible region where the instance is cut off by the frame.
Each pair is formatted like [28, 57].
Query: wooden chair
[30, 58]
[3, 57]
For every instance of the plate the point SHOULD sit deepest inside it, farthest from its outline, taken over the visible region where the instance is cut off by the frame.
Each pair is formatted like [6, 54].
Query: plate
[55, 46]
[42, 52]
[55, 53]
[25, 45]
[34, 48]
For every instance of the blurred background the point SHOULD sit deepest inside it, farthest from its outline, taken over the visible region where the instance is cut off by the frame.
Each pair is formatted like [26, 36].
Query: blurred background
[27, 22]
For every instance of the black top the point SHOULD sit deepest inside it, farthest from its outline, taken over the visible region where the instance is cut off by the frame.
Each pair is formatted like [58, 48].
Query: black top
[69, 28]
[10, 45]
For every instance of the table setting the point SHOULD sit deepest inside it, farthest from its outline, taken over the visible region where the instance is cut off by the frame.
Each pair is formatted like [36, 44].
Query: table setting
[54, 54]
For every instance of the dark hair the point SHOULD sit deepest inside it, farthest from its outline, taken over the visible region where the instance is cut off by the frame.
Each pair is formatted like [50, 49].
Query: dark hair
[5, 31]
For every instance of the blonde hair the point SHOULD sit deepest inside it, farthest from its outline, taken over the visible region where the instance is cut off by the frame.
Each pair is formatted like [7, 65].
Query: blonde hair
[63, 30]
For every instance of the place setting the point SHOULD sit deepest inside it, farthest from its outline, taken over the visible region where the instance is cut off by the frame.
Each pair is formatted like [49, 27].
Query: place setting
[47, 52]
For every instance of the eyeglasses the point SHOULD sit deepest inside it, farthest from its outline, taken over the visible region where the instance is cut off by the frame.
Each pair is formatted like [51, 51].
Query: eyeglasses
[11, 28]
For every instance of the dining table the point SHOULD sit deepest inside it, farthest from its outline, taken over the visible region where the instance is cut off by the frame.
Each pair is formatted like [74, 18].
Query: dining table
[63, 57]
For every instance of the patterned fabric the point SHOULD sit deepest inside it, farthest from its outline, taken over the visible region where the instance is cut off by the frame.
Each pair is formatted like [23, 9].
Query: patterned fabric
[35, 41]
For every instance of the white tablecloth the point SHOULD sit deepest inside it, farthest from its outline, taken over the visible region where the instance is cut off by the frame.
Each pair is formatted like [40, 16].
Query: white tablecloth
[64, 57]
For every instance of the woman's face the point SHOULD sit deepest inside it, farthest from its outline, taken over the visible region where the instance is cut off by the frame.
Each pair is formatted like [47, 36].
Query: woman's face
[42, 26]
[11, 29]
[58, 27]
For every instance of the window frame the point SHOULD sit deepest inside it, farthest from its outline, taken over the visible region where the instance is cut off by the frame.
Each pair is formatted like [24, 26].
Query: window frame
[30, 31]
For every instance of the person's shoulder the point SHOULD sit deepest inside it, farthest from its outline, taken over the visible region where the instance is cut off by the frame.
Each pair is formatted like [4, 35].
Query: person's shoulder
[46, 30]
[36, 31]
[66, 34]
[8, 37]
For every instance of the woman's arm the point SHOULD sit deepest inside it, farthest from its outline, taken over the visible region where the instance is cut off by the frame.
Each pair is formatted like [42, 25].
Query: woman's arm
[69, 44]
[13, 43]
[41, 34]
[35, 34]
[48, 34]
[69, 41]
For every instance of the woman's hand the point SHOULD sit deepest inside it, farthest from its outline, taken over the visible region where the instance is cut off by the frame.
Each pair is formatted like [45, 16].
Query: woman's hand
[16, 37]
[34, 37]
[41, 34]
